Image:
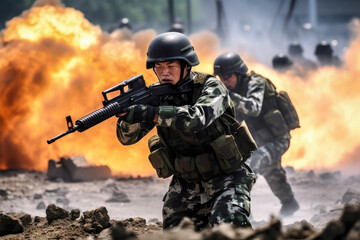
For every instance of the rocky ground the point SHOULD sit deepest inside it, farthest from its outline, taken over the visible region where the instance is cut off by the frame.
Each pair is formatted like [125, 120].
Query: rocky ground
[32, 207]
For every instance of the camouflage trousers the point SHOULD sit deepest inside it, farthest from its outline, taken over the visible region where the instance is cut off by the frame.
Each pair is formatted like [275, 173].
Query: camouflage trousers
[225, 199]
[267, 162]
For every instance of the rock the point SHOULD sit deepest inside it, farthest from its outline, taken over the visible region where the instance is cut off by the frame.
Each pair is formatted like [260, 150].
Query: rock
[118, 231]
[349, 195]
[299, 230]
[54, 212]
[10, 225]
[105, 235]
[98, 228]
[25, 219]
[350, 215]
[37, 219]
[354, 233]
[137, 222]
[310, 174]
[75, 214]
[61, 192]
[63, 201]
[118, 197]
[41, 205]
[3, 194]
[37, 196]
[330, 175]
[332, 230]
[289, 170]
[93, 218]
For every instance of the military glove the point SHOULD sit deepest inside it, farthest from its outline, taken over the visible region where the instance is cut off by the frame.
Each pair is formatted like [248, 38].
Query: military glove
[140, 113]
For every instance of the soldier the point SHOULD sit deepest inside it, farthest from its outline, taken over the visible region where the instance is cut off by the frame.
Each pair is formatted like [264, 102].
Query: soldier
[194, 143]
[254, 99]
[177, 27]
[123, 23]
[295, 52]
[281, 63]
[324, 54]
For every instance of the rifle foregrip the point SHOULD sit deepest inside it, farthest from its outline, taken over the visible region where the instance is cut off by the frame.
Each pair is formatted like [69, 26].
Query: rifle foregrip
[98, 116]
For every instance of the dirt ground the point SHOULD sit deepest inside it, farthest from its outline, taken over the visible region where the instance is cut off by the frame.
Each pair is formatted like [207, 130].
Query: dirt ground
[135, 204]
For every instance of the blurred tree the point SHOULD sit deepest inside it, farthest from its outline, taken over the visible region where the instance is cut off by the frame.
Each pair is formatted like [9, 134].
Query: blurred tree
[141, 13]
[11, 8]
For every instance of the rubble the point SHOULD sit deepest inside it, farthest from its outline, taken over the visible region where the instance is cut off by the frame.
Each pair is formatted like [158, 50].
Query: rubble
[349, 195]
[10, 225]
[96, 220]
[76, 168]
[118, 197]
[54, 212]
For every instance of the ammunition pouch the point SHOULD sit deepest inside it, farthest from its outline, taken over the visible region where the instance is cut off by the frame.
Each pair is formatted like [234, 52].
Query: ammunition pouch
[243, 138]
[227, 153]
[160, 158]
[276, 123]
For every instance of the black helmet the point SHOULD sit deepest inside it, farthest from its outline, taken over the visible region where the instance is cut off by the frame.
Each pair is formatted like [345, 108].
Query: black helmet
[323, 48]
[295, 48]
[228, 63]
[177, 27]
[281, 61]
[171, 46]
[124, 23]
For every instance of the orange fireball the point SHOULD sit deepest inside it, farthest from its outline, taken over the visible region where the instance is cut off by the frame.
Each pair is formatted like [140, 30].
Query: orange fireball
[54, 63]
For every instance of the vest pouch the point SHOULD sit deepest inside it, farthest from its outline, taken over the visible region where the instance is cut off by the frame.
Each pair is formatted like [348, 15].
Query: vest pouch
[276, 123]
[207, 166]
[244, 141]
[185, 167]
[160, 158]
[227, 153]
[288, 110]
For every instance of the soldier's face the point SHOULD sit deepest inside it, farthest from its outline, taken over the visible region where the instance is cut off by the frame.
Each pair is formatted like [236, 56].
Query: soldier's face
[169, 71]
[229, 80]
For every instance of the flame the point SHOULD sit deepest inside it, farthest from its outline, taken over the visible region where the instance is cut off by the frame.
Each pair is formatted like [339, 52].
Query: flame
[54, 62]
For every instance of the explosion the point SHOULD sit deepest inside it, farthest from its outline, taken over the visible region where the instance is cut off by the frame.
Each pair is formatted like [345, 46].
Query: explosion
[54, 63]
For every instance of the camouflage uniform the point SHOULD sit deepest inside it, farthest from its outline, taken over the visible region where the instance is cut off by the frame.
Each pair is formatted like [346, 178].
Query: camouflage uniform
[252, 99]
[222, 198]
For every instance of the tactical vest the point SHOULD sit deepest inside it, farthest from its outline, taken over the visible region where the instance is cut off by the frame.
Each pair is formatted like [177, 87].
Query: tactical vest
[195, 156]
[269, 123]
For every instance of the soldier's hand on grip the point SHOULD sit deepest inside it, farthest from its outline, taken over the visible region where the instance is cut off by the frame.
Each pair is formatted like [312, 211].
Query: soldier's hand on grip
[140, 113]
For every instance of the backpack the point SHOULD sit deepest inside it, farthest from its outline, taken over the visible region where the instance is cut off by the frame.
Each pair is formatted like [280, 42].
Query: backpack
[287, 109]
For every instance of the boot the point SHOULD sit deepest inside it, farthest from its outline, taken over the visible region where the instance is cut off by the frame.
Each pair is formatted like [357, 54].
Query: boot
[289, 208]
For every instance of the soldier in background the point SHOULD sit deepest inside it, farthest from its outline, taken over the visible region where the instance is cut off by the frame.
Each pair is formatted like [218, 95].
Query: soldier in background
[282, 63]
[194, 141]
[177, 27]
[295, 51]
[123, 23]
[325, 57]
[254, 99]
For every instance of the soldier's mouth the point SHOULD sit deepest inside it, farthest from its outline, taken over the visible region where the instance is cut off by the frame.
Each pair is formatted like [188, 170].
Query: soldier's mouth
[166, 81]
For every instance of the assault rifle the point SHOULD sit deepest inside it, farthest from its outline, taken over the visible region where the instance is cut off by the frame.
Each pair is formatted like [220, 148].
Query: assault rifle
[132, 91]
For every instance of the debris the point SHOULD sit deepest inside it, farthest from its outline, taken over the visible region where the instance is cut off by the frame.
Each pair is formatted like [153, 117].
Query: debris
[10, 225]
[54, 212]
[75, 214]
[95, 220]
[349, 195]
[76, 168]
[118, 197]
[41, 205]
[25, 219]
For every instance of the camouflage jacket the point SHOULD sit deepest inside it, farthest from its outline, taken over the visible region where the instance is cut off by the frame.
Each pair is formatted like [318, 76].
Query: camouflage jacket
[253, 97]
[248, 96]
[184, 116]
